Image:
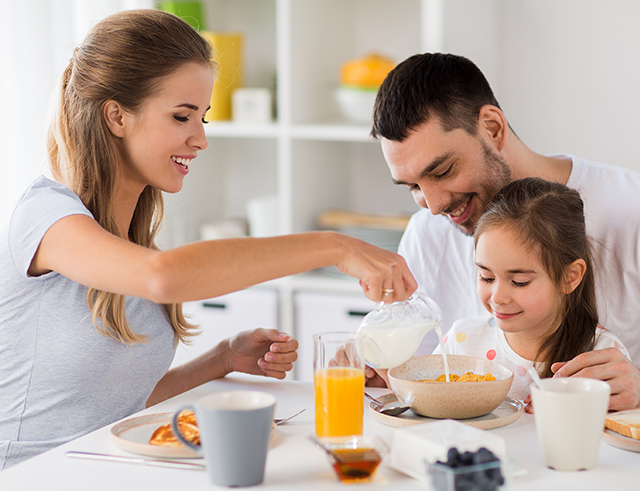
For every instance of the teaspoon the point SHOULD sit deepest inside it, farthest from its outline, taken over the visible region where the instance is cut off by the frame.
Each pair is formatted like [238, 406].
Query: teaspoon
[392, 409]
[535, 377]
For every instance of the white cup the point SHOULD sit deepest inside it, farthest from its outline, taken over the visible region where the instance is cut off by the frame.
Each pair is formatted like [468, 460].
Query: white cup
[263, 216]
[235, 428]
[569, 415]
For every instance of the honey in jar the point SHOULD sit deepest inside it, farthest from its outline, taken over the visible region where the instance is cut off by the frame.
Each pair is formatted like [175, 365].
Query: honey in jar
[355, 464]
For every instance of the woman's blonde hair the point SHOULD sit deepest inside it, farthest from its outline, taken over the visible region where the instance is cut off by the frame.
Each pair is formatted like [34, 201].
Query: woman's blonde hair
[123, 58]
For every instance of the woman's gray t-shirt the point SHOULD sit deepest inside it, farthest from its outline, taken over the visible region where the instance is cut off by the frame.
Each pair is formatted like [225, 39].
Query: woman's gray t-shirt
[59, 377]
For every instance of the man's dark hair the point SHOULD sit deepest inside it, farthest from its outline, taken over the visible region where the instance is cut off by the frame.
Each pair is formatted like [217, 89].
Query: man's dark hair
[446, 86]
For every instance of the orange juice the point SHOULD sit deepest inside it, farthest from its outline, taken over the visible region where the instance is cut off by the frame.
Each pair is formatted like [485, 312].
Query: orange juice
[339, 401]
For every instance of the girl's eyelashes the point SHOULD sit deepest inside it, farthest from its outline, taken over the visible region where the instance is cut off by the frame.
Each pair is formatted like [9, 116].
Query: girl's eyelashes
[518, 284]
[204, 121]
[521, 284]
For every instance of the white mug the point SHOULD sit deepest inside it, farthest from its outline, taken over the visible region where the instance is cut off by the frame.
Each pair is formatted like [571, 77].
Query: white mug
[570, 415]
[235, 428]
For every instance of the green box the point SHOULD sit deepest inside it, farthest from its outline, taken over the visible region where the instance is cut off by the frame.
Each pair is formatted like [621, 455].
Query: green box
[190, 12]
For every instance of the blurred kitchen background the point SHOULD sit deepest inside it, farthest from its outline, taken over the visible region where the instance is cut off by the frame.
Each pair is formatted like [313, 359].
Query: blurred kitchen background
[287, 157]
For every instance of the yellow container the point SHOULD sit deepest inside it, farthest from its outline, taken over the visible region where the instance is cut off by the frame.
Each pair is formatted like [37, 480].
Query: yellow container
[227, 52]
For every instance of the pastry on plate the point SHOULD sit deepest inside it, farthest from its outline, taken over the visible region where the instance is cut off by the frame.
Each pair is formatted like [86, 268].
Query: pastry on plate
[188, 426]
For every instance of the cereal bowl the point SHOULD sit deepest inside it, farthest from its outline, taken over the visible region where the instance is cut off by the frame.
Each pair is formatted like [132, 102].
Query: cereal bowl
[454, 400]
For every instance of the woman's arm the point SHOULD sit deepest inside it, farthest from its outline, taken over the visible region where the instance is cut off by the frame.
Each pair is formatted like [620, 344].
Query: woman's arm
[267, 352]
[80, 249]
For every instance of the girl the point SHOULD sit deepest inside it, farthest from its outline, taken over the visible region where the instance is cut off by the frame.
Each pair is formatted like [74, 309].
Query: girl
[90, 308]
[535, 277]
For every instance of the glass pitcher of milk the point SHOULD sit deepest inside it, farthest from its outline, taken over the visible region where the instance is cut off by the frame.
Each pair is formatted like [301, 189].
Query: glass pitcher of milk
[390, 335]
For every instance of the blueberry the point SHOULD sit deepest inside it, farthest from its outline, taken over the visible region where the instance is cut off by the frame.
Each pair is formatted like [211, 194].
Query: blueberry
[453, 457]
[481, 480]
[484, 456]
[466, 458]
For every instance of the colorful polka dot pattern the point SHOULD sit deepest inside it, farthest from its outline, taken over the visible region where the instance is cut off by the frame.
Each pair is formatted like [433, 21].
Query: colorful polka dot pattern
[461, 337]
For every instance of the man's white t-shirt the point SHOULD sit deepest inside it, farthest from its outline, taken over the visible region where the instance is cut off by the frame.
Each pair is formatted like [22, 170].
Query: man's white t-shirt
[481, 337]
[442, 258]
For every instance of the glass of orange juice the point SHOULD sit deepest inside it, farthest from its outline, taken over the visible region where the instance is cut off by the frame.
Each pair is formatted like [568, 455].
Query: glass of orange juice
[339, 385]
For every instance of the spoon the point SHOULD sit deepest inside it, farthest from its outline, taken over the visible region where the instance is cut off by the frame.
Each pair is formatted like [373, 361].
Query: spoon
[333, 455]
[392, 409]
[284, 420]
[535, 377]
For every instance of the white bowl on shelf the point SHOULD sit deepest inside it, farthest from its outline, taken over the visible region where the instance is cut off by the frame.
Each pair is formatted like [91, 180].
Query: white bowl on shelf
[356, 104]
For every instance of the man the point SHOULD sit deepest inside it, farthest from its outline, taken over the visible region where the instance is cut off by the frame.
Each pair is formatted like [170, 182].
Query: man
[446, 139]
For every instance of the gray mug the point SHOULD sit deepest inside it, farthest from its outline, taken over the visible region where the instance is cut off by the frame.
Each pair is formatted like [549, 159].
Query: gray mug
[235, 429]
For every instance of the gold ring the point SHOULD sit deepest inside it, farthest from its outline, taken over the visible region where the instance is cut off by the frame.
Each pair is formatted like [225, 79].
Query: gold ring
[387, 291]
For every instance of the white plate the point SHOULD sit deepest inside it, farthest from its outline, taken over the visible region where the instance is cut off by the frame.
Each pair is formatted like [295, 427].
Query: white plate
[506, 413]
[133, 436]
[615, 439]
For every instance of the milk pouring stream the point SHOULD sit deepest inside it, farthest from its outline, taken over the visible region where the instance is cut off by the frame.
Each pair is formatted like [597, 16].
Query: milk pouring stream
[391, 334]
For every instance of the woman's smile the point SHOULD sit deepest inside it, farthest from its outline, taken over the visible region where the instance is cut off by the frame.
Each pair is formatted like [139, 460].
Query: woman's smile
[182, 163]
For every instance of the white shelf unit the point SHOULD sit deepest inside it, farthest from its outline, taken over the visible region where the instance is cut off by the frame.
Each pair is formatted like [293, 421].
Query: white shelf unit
[308, 156]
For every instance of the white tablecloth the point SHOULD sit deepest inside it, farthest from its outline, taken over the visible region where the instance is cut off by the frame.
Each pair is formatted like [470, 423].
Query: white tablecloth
[295, 463]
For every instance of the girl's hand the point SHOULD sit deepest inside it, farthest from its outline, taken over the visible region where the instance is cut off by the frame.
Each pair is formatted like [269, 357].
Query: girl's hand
[267, 352]
[376, 377]
[528, 404]
[346, 356]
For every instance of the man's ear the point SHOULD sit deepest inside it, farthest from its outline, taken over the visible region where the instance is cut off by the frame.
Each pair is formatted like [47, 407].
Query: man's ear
[492, 122]
[113, 115]
[575, 273]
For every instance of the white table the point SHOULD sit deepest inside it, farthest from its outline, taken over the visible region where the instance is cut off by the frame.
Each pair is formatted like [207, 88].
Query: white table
[294, 462]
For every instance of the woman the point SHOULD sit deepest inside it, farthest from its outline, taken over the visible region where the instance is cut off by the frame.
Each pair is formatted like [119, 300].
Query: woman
[91, 308]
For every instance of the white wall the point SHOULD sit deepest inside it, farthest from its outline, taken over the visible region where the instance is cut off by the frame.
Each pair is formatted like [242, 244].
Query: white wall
[566, 72]
[570, 76]
[37, 38]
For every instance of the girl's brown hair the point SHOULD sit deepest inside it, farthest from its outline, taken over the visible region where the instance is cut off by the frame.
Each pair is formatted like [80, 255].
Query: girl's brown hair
[123, 58]
[549, 219]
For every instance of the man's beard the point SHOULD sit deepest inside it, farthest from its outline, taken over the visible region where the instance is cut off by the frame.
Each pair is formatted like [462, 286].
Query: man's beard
[498, 175]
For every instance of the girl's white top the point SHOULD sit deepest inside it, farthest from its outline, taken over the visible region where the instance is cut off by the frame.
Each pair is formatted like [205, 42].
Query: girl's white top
[482, 338]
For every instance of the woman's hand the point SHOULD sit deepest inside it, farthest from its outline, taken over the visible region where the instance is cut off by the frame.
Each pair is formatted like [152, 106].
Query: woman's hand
[261, 351]
[267, 352]
[384, 275]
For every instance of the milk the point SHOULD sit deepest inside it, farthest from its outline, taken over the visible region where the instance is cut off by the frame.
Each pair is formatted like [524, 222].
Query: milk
[444, 353]
[392, 343]
[391, 334]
